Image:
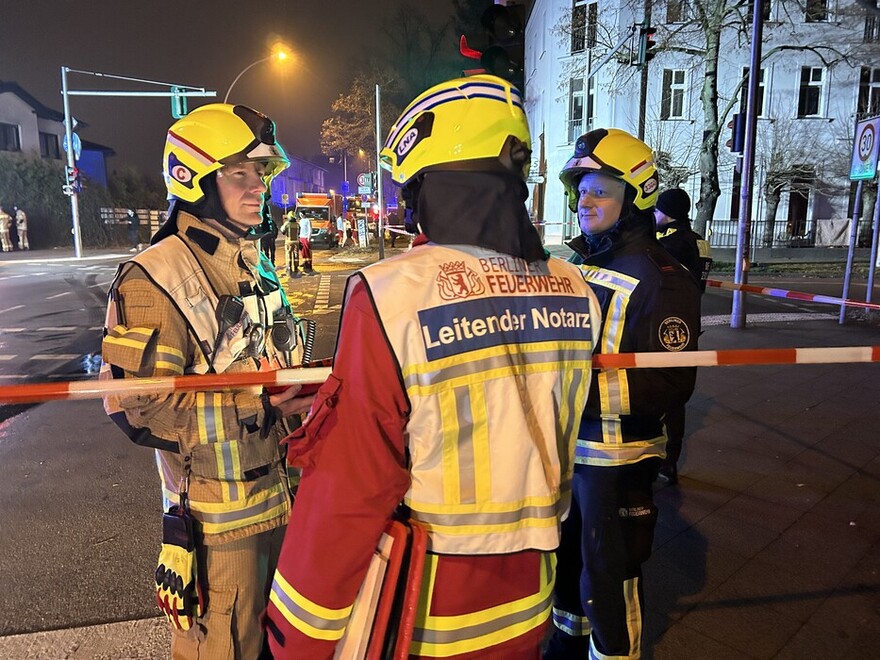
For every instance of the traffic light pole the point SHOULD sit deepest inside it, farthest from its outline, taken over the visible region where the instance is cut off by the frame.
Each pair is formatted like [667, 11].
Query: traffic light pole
[744, 224]
[71, 163]
[643, 86]
[174, 91]
[381, 223]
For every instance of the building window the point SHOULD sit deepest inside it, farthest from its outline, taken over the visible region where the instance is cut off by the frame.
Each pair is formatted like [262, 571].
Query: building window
[869, 92]
[584, 18]
[744, 94]
[49, 146]
[9, 137]
[672, 102]
[810, 93]
[817, 11]
[575, 109]
[679, 11]
[765, 10]
[872, 28]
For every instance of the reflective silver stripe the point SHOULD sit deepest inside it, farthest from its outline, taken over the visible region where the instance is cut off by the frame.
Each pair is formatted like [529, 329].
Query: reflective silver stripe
[271, 502]
[486, 364]
[467, 485]
[478, 630]
[230, 477]
[573, 624]
[598, 453]
[633, 616]
[307, 617]
[171, 358]
[501, 518]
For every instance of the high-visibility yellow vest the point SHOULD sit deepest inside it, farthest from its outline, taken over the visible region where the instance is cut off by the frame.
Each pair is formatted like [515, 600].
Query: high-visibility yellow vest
[495, 358]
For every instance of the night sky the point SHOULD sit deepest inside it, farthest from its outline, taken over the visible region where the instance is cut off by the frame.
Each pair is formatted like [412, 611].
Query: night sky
[199, 43]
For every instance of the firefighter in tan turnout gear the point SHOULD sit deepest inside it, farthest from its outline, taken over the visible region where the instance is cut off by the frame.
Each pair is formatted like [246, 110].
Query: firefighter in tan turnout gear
[203, 299]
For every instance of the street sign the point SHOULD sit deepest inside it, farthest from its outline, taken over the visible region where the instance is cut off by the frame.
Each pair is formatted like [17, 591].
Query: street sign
[77, 145]
[865, 150]
[364, 190]
[538, 178]
[365, 180]
[364, 198]
[345, 188]
[285, 198]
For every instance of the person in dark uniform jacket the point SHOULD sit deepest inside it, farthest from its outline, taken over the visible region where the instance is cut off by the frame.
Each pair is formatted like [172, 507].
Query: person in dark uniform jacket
[649, 303]
[672, 221]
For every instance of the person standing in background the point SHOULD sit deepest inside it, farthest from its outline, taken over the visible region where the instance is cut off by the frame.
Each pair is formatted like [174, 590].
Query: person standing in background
[5, 224]
[22, 228]
[672, 221]
[134, 224]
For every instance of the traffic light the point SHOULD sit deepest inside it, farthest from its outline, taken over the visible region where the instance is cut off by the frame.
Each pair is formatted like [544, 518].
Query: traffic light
[178, 103]
[500, 48]
[647, 45]
[737, 127]
[72, 181]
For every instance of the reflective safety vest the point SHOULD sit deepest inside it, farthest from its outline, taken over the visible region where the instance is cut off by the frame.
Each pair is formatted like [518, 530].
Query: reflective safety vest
[181, 277]
[495, 358]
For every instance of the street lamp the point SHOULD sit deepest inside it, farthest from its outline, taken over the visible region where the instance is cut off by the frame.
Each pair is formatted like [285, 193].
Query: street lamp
[280, 54]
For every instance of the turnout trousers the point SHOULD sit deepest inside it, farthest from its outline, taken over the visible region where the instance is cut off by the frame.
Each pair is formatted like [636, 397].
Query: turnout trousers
[598, 603]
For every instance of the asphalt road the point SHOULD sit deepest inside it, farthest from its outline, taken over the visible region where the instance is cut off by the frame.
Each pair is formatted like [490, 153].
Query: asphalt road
[79, 503]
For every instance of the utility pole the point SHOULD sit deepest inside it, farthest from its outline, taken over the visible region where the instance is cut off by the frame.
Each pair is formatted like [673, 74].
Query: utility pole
[176, 92]
[744, 225]
[643, 87]
[381, 224]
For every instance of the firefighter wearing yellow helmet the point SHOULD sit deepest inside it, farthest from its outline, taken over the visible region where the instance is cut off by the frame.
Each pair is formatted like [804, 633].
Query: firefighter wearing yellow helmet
[474, 350]
[649, 303]
[204, 299]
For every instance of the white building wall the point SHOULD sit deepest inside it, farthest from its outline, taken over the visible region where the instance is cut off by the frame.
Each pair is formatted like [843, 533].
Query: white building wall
[824, 140]
[15, 111]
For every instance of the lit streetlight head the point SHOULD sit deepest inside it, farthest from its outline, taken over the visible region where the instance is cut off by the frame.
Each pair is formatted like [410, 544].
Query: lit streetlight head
[279, 52]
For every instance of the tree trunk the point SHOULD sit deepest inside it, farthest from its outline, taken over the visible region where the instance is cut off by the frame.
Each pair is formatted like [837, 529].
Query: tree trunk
[772, 199]
[710, 189]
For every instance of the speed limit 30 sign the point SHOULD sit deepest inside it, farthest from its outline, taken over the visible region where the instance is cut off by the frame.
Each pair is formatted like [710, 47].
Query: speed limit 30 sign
[865, 150]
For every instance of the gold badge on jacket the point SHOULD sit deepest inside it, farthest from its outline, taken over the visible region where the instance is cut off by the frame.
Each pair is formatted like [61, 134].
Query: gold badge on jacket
[674, 334]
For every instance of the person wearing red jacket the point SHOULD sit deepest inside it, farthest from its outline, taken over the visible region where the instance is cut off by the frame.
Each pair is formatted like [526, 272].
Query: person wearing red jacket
[460, 372]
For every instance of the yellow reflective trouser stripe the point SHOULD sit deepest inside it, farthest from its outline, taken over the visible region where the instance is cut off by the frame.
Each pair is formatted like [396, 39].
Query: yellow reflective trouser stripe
[219, 517]
[572, 624]
[602, 454]
[633, 616]
[308, 617]
[444, 636]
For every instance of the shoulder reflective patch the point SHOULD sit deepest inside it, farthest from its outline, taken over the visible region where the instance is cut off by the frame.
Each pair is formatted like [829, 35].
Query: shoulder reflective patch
[674, 334]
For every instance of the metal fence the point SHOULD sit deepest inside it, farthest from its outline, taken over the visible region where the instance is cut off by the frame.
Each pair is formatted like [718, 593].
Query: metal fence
[723, 234]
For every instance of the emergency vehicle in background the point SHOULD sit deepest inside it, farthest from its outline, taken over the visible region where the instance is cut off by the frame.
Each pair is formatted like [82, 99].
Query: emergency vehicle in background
[321, 209]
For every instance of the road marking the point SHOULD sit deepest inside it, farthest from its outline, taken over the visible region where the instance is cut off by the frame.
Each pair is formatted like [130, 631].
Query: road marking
[7, 357]
[60, 260]
[12, 329]
[322, 297]
[13, 376]
[724, 319]
[10, 309]
[56, 356]
[58, 295]
[62, 328]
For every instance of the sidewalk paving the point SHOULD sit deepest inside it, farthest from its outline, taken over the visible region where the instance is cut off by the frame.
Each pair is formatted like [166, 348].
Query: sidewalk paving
[770, 545]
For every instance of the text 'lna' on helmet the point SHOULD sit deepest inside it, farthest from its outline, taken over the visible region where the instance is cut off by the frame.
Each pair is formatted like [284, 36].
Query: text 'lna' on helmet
[215, 135]
[453, 126]
[618, 154]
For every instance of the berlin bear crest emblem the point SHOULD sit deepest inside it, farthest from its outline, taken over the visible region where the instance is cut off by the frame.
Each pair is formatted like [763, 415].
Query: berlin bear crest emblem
[456, 280]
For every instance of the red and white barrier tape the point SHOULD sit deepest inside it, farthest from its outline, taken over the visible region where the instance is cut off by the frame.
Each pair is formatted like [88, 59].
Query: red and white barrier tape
[792, 295]
[94, 389]
[738, 357]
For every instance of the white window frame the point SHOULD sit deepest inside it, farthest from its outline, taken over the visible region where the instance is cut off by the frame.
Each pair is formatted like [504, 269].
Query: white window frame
[686, 12]
[820, 84]
[677, 92]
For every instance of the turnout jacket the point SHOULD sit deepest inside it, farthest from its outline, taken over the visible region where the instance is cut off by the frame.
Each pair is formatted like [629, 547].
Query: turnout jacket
[159, 323]
[457, 386]
[649, 303]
